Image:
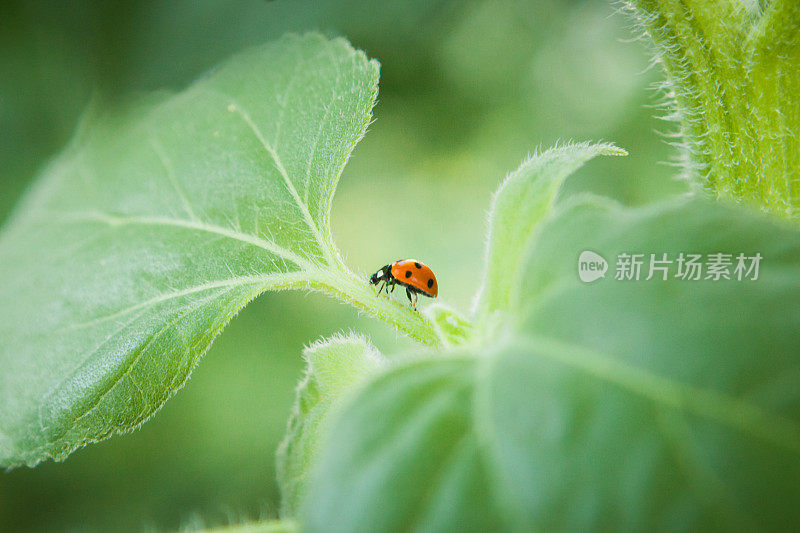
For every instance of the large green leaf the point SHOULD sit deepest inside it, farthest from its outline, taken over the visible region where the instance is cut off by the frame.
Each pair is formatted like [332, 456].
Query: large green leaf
[520, 205]
[139, 242]
[614, 405]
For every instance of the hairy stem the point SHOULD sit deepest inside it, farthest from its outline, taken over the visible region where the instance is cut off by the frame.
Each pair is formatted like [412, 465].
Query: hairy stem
[733, 81]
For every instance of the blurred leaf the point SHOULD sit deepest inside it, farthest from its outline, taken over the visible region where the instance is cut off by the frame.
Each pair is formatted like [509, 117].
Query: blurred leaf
[154, 228]
[519, 206]
[406, 451]
[271, 526]
[661, 404]
[334, 367]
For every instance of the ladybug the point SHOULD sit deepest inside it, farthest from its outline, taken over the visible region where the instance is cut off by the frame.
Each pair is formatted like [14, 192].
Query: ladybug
[416, 277]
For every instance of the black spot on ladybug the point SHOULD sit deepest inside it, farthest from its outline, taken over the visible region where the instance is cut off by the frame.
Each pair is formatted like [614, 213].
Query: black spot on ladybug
[417, 265]
[430, 283]
[408, 273]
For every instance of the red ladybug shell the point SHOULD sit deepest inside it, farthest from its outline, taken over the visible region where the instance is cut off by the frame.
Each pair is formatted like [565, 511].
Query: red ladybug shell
[418, 275]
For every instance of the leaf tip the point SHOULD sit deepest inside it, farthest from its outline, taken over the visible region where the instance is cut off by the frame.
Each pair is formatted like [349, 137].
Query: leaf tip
[612, 150]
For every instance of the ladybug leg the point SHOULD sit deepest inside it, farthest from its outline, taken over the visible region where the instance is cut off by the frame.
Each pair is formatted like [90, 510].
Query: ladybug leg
[408, 293]
[388, 285]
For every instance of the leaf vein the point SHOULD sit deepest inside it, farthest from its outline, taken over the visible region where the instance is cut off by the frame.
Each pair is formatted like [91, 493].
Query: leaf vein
[170, 171]
[233, 282]
[724, 409]
[239, 110]
[129, 364]
[120, 220]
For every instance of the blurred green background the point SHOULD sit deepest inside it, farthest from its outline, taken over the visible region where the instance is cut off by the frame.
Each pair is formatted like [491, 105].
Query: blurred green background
[468, 89]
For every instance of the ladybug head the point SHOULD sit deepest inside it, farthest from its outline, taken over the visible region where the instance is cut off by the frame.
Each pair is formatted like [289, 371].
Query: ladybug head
[376, 277]
[381, 275]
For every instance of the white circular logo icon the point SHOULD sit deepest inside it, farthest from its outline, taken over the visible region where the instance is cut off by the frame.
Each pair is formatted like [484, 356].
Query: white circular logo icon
[591, 266]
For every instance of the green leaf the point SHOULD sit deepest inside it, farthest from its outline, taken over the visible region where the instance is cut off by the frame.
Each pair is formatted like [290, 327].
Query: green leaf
[519, 206]
[155, 226]
[403, 457]
[732, 84]
[613, 405]
[334, 368]
[451, 327]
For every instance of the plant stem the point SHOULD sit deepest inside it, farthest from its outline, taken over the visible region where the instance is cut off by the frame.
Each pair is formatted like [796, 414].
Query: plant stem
[733, 75]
